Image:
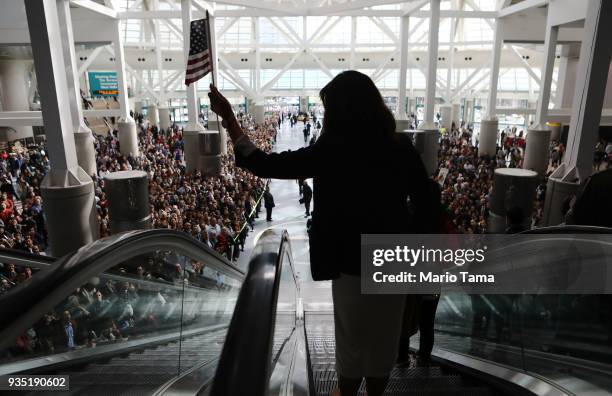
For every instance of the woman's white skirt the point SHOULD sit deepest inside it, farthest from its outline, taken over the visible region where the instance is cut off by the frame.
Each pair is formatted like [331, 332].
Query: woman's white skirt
[368, 328]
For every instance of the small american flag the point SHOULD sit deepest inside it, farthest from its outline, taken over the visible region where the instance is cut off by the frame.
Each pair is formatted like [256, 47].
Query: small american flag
[199, 62]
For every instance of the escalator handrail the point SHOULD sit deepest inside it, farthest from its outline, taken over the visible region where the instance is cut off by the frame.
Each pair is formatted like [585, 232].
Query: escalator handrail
[569, 229]
[245, 362]
[27, 302]
[25, 259]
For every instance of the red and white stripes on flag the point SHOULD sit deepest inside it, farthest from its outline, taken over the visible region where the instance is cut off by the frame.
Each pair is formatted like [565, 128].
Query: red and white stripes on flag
[199, 62]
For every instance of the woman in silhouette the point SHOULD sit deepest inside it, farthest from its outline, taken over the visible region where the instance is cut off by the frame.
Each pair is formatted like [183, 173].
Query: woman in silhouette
[364, 173]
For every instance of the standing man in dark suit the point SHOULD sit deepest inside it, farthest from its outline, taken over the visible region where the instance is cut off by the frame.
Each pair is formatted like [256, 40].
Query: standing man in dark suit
[306, 197]
[268, 203]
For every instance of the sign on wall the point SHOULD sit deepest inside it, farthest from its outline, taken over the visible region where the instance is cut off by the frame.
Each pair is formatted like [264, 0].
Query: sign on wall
[103, 83]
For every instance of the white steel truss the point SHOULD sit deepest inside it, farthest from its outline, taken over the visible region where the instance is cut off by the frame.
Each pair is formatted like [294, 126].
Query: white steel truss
[283, 45]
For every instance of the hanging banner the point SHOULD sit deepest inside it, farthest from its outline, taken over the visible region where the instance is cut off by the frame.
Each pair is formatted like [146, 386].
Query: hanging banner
[103, 83]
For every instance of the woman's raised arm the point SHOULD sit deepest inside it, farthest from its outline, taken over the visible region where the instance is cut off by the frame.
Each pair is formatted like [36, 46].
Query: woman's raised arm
[299, 164]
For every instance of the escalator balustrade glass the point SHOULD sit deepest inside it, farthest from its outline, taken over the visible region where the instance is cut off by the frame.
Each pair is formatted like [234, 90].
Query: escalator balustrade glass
[285, 339]
[17, 267]
[155, 315]
[563, 338]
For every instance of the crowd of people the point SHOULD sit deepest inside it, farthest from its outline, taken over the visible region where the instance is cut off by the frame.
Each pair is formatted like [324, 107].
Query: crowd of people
[215, 210]
[465, 181]
[218, 211]
[466, 178]
[211, 209]
[117, 307]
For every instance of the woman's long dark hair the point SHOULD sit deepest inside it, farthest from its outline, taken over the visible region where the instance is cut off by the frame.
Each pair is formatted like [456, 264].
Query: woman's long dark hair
[354, 106]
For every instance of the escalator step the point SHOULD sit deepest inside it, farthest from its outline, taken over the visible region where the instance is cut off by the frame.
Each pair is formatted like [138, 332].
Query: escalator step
[413, 381]
[325, 387]
[133, 369]
[117, 378]
[398, 372]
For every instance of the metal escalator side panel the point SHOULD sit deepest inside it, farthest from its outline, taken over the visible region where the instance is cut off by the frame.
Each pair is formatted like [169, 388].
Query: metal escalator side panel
[23, 259]
[254, 343]
[186, 286]
[19, 267]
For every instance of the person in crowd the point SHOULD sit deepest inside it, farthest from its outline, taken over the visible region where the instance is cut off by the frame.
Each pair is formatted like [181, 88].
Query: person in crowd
[268, 203]
[306, 197]
[357, 125]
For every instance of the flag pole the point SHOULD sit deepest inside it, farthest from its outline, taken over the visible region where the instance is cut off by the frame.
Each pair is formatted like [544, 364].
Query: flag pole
[213, 57]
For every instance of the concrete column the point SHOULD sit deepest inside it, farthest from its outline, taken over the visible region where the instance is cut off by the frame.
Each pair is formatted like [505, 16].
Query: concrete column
[511, 188]
[432, 67]
[153, 114]
[216, 126]
[487, 139]
[86, 152]
[537, 150]
[468, 111]
[259, 113]
[590, 85]
[400, 113]
[558, 191]
[72, 77]
[456, 114]
[494, 77]
[14, 88]
[193, 127]
[126, 126]
[67, 190]
[191, 150]
[402, 125]
[304, 104]
[122, 97]
[83, 138]
[128, 138]
[426, 143]
[550, 44]
[445, 113]
[531, 117]
[154, 4]
[128, 201]
[138, 106]
[256, 49]
[209, 143]
[164, 118]
[411, 106]
[555, 131]
[451, 60]
[566, 80]
[203, 152]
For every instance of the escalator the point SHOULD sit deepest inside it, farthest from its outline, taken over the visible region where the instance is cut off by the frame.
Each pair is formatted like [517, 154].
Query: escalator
[174, 317]
[123, 315]
[409, 379]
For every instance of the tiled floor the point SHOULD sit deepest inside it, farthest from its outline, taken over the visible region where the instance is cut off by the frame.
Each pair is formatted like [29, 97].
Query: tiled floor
[289, 214]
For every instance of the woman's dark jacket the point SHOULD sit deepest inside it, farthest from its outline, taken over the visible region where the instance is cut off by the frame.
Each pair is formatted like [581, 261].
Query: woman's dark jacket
[361, 186]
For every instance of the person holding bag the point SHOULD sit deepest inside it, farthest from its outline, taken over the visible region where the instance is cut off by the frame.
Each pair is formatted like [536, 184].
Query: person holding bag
[358, 142]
